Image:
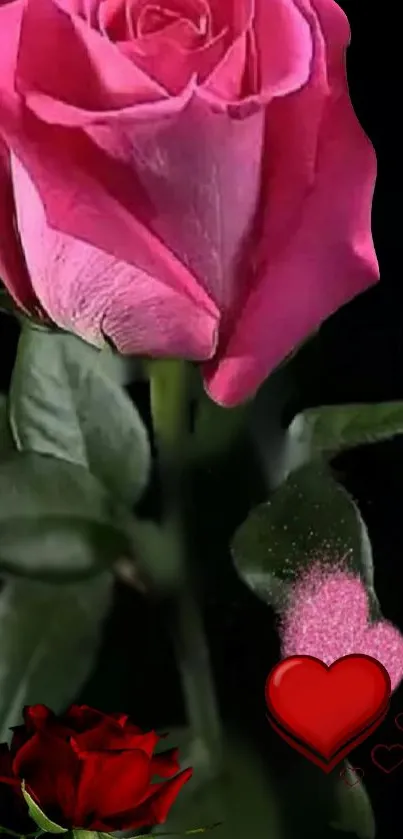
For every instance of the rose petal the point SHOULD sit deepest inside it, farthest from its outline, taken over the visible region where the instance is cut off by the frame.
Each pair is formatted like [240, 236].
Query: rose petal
[186, 170]
[37, 716]
[177, 70]
[86, 290]
[155, 806]
[115, 87]
[106, 737]
[52, 775]
[165, 764]
[89, 77]
[19, 737]
[81, 717]
[284, 45]
[282, 50]
[13, 269]
[223, 85]
[317, 249]
[109, 783]
[66, 164]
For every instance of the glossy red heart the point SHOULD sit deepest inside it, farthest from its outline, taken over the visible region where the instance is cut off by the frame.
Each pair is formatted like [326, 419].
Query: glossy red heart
[325, 711]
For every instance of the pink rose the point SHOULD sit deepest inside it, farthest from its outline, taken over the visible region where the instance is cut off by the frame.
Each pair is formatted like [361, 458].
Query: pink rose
[185, 179]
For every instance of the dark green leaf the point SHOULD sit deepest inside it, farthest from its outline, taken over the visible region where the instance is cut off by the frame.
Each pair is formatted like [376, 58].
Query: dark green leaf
[242, 800]
[49, 640]
[57, 522]
[332, 428]
[323, 805]
[353, 807]
[65, 402]
[6, 440]
[310, 516]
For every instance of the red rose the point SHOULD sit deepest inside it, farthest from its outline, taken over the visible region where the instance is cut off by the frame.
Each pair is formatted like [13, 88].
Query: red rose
[90, 770]
[186, 179]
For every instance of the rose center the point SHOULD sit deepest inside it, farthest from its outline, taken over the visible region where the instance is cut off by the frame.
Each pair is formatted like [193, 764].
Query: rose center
[154, 18]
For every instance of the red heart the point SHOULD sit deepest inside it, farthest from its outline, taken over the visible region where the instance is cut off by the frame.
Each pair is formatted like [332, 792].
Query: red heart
[385, 760]
[324, 712]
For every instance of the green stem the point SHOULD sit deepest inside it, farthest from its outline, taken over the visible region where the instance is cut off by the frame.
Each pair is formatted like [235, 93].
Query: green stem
[170, 385]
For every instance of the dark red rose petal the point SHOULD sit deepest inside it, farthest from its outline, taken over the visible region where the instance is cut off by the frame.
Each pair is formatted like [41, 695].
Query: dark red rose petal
[110, 782]
[19, 737]
[13, 810]
[37, 717]
[52, 770]
[155, 806]
[166, 764]
[107, 737]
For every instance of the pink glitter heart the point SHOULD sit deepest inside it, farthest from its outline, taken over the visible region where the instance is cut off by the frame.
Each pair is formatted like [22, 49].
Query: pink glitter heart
[328, 617]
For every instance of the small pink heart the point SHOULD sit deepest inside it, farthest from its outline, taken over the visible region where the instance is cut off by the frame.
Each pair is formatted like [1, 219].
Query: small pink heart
[357, 771]
[387, 758]
[328, 618]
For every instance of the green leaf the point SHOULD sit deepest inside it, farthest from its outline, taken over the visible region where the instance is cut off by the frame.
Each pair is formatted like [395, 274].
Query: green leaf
[310, 516]
[65, 402]
[57, 522]
[50, 636]
[353, 807]
[333, 428]
[242, 801]
[322, 804]
[39, 817]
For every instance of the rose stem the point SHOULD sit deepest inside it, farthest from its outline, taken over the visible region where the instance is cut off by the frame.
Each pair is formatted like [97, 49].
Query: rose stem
[169, 388]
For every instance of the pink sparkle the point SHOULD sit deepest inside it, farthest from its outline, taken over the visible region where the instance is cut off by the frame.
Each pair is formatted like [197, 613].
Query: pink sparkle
[328, 617]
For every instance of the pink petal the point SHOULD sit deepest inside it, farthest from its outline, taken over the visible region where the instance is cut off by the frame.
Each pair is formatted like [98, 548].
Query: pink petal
[184, 172]
[284, 44]
[317, 248]
[93, 294]
[13, 269]
[64, 165]
[90, 78]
